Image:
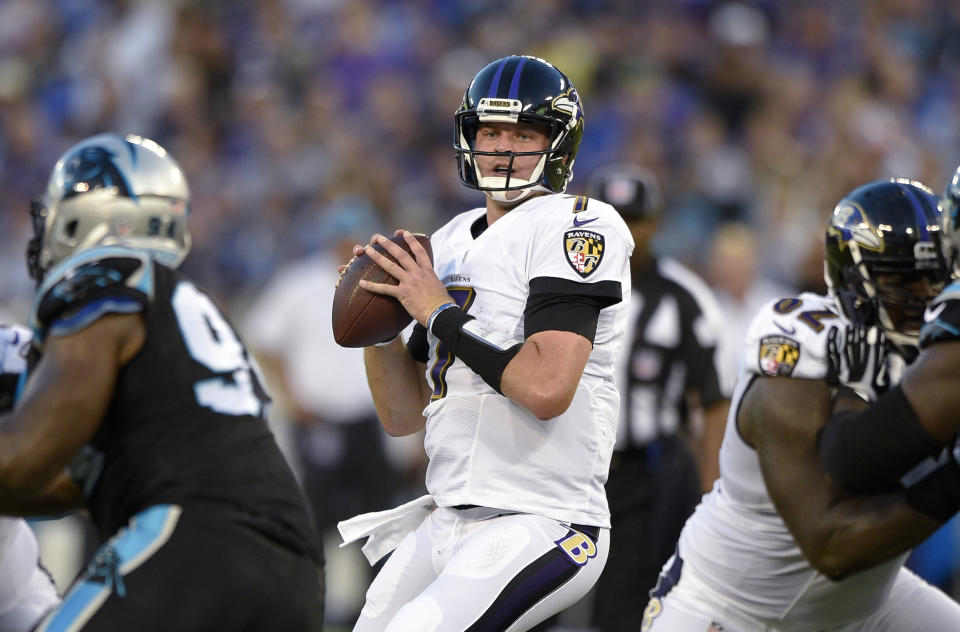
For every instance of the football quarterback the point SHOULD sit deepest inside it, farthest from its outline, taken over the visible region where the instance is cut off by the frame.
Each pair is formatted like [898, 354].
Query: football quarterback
[510, 371]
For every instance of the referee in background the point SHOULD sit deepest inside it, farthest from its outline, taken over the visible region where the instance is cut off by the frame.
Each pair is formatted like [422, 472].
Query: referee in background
[673, 405]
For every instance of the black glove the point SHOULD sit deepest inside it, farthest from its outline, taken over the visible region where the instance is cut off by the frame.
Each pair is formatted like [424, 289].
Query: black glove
[857, 360]
[933, 486]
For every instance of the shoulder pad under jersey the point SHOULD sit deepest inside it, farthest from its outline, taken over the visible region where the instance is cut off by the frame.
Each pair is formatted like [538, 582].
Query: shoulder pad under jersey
[95, 282]
[788, 337]
[942, 317]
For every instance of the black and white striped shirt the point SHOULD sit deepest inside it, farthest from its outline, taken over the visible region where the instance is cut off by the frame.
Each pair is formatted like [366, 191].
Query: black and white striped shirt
[672, 350]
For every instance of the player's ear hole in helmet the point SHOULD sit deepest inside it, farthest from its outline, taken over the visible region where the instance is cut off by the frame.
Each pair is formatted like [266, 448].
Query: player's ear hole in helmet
[520, 89]
[884, 258]
[111, 190]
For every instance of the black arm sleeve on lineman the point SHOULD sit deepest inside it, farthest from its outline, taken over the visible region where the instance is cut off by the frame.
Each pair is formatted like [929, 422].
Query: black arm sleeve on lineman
[417, 344]
[869, 451]
[563, 305]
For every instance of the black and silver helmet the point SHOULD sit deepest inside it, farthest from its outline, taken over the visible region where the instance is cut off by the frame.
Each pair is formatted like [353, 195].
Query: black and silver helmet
[884, 258]
[520, 89]
[111, 190]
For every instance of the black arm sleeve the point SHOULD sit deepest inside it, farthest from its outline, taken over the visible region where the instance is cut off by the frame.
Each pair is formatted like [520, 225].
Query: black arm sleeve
[868, 452]
[563, 305]
[417, 344]
[487, 360]
[937, 492]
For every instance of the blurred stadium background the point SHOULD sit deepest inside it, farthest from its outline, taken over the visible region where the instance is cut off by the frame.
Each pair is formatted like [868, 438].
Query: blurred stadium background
[290, 116]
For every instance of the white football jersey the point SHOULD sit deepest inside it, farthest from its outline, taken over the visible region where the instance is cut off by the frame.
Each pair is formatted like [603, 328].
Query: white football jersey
[485, 449]
[735, 539]
[19, 564]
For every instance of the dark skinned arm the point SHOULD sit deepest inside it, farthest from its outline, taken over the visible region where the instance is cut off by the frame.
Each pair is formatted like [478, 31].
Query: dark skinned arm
[930, 387]
[60, 410]
[838, 534]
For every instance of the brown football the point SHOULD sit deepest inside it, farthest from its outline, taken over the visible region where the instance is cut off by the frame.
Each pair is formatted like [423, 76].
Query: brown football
[362, 318]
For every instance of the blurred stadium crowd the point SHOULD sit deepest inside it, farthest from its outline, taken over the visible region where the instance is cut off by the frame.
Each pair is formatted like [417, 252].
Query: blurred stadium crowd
[290, 117]
[284, 112]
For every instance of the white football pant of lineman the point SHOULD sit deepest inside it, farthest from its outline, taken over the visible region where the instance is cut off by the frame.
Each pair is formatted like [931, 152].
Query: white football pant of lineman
[26, 590]
[449, 572]
[693, 606]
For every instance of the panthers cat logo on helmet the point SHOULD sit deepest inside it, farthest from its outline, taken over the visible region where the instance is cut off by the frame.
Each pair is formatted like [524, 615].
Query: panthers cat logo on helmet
[884, 258]
[93, 168]
[111, 190]
[520, 89]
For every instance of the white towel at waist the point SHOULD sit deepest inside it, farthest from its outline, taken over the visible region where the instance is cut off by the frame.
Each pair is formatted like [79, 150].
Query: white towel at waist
[385, 529]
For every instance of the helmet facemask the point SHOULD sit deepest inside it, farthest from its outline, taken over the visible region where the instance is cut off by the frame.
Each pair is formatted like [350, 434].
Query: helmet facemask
[892, 299]
[497, 186]
[36, 266]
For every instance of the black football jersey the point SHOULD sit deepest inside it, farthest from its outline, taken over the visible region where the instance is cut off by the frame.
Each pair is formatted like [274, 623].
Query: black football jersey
[188, 417]
[942, 317]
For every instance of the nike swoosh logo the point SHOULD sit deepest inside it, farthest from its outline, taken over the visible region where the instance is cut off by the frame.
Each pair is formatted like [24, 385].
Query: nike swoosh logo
[790, 331]
[930, 315]
[578, 223]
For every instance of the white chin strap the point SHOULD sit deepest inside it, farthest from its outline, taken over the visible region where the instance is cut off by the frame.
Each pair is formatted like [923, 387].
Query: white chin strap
[513, 196]
[493, 186]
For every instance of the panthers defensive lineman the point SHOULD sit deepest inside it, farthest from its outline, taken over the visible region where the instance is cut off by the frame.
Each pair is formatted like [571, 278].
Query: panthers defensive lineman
[776, 546]
[144, 408]
[510, 369]
[873, 449]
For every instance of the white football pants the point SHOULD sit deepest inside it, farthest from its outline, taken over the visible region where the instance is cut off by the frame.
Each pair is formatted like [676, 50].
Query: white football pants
[691, 606]
[482, 569]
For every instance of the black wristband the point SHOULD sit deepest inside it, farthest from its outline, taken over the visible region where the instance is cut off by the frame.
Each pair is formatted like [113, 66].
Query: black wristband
[486, 359]
[937, 494]
[869, 451]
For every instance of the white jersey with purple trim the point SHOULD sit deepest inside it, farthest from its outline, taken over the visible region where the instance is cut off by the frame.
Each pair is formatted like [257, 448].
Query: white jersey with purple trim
[735, 540]
[485, 449]
[26, 590]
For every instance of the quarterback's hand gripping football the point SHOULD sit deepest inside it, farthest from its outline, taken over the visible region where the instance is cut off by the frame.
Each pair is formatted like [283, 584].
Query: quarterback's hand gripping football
[857, 360]
[419, 290]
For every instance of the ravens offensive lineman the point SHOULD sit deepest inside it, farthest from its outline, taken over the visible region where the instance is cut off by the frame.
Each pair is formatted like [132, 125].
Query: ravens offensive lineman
[145, 409]
[775, 545]
[510, 369]
[873, 449]
[27, 591]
